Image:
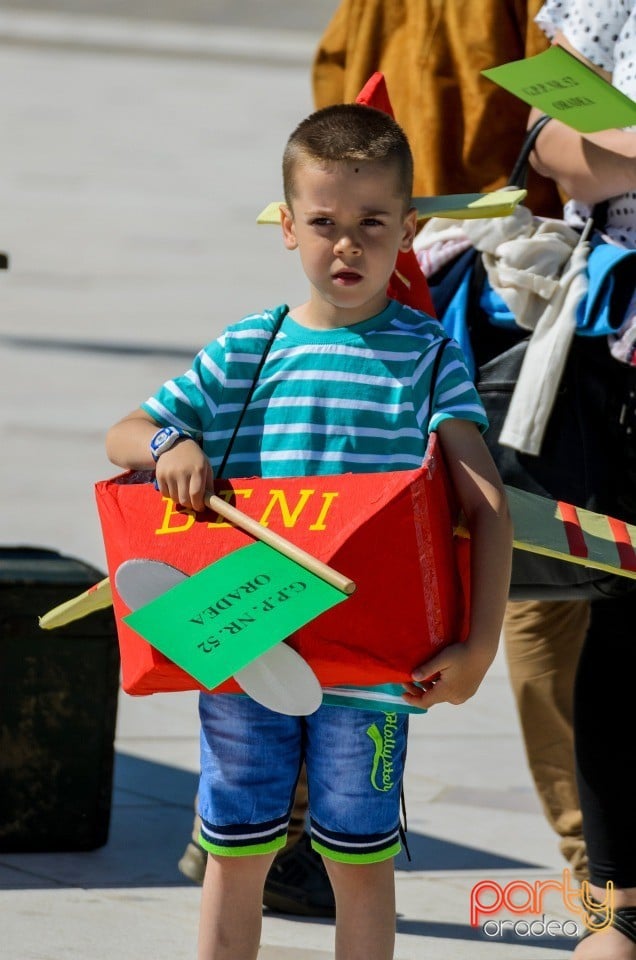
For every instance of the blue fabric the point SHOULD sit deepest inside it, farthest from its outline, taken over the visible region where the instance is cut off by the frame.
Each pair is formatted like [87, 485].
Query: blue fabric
[454, 321]
[250, 761]
[612, 275]
[611, 271]
[496, 308]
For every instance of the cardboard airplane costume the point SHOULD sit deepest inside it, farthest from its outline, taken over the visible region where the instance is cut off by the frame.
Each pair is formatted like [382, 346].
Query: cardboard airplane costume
[391, 533]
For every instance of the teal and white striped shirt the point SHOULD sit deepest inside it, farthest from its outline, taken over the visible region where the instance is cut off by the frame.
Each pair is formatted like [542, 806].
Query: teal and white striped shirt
[351, 400]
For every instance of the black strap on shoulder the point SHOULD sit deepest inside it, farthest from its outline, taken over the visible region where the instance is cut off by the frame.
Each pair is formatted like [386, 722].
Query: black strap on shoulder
[261, 363]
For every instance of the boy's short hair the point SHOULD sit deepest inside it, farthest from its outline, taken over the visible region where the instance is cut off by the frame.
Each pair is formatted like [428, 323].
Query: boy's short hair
[345, 132]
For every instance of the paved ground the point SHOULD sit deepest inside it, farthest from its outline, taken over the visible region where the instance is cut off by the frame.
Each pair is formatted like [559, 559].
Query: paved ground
[136, 155]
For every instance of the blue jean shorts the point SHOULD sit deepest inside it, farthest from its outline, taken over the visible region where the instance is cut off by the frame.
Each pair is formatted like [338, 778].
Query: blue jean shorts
[250, 762]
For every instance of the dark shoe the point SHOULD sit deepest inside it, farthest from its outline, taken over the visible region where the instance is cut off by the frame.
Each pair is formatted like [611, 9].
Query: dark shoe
[298, 883]
[192, 863]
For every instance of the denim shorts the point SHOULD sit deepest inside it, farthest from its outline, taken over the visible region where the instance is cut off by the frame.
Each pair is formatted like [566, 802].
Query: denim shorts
[250, 762]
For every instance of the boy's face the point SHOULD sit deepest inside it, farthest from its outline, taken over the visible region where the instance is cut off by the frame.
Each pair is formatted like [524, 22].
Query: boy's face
[348, 221]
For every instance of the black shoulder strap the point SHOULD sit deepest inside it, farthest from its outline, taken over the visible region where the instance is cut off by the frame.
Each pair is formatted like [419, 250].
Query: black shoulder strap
[261, 363]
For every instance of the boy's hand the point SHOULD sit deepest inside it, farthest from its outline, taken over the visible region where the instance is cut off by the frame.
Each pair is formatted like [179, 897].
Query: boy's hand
[452, 676]
[184, 474]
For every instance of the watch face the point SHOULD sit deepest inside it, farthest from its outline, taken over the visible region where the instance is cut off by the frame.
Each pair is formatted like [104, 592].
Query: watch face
[161, 436]
[163, 440]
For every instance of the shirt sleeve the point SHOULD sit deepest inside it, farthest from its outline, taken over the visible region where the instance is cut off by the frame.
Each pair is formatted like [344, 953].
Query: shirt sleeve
[191, 400]
[454, 394]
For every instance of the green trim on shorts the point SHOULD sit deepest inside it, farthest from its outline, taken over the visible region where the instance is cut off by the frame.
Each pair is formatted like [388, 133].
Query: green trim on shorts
[254, 849]
[377, 857]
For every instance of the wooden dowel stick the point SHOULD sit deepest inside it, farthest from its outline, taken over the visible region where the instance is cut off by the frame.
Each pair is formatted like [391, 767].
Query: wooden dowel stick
[100, 596]
[290, 550]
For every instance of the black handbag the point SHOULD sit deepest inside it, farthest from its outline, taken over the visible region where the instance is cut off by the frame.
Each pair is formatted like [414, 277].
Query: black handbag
[588, 455]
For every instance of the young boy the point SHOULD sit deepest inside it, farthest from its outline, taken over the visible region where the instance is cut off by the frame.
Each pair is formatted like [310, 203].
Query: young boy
[344, 388]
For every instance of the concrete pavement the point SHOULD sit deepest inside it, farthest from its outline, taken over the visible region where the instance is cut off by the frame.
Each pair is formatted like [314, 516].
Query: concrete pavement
[129, 189]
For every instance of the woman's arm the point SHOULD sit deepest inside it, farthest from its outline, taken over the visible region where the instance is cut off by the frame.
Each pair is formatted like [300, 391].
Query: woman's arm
[589, 167]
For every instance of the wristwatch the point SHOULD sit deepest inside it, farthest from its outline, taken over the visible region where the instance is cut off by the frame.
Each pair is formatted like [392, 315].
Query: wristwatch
[165, 438]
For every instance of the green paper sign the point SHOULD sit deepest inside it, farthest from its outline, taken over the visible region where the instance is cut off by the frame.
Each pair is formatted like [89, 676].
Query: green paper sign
[228, 614]
[557, 83]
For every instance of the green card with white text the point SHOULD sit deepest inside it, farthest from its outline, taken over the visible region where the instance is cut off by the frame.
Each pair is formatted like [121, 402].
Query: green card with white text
[557, 83]
[232, 611]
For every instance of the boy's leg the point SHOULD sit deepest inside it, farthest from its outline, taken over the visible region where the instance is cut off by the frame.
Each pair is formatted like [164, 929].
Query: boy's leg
[365, 904]
[250, 760]
[231, 911]
[297, 882]
[355, 766]
[294, 832]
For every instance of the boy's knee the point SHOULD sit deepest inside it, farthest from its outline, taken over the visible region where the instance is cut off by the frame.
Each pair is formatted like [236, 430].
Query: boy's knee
[252, 865]
[360, 873]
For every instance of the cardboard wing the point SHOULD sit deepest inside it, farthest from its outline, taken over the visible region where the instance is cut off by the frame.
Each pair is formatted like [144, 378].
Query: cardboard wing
[392, 533]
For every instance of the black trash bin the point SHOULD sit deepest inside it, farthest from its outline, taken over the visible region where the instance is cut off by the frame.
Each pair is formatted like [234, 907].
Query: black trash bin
[58, 707]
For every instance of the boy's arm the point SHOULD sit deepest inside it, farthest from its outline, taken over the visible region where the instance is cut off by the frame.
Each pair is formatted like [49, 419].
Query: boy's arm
[456, 672]
[183, 472]
[128, 441]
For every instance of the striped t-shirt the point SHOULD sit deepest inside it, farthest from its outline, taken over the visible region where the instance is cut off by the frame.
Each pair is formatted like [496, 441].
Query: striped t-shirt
[351, 400]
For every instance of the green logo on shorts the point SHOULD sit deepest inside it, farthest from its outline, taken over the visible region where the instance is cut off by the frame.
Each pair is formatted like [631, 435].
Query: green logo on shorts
[384, 743]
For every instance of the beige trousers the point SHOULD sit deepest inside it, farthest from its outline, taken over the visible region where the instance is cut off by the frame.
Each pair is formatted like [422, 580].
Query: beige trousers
[542, 643]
